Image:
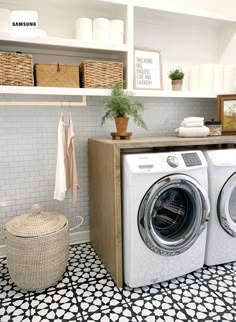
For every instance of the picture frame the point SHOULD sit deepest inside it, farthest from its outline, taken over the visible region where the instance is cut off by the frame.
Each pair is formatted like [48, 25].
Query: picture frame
[226, 108]
[147, 69]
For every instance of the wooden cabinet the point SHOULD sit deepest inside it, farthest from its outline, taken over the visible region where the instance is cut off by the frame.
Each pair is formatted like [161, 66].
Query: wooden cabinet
[105, 186]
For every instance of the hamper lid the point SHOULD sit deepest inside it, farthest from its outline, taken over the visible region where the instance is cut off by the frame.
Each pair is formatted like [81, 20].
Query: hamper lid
[37, 223]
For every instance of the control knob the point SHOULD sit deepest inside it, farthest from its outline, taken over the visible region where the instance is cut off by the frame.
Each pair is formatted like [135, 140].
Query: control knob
[173, 161]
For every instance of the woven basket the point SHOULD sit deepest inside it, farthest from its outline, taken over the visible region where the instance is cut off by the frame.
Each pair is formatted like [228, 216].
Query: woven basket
[16, 69]
[37, 249]
[100, 74]
[56, 75]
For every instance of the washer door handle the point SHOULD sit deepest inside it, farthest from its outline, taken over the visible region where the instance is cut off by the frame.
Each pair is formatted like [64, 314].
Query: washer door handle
[206, 208]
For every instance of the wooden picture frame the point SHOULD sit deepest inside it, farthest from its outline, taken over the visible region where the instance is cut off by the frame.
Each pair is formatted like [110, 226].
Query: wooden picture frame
[226, 107]
[147, 69]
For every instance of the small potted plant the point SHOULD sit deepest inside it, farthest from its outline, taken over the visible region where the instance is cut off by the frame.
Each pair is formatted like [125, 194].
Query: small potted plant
[119, 106]
[176, 76]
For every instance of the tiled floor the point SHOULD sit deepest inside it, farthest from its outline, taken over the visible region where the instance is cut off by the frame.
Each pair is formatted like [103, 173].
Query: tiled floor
[87, 293]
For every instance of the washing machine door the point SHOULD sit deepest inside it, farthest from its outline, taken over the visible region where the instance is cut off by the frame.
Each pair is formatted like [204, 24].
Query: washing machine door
[226, 206]
[172, 214]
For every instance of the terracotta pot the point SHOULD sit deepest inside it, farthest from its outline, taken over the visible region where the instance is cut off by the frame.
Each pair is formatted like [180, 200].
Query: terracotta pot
[121, 125]
[177, 84]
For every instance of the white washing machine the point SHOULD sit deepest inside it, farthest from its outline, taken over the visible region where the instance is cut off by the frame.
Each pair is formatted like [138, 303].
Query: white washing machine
[221, 236]
[165, 214]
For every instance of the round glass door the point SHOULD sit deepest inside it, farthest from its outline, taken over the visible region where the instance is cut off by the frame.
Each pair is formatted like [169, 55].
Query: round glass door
[227, 206]
[172, 214]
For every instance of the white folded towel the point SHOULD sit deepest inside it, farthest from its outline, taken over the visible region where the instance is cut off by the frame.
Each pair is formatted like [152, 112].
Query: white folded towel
[192, 132]
[192, 124]
[194, 119]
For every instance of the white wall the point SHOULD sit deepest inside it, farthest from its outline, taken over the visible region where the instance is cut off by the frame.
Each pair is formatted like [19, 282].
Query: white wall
[28, 145]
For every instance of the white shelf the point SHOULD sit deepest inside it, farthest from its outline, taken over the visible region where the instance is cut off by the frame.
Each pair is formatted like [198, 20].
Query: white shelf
[183, 94]
[35, 90]
[205, 34]
[62, 91]
[60, 43]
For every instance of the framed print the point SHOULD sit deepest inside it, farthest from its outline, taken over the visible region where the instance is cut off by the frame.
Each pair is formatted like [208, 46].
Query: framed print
[147, 69]
[227, 113]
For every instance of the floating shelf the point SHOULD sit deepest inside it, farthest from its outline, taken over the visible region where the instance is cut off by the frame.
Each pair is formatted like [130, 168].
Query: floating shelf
[60, 43]
[62, 91]
[183, 94]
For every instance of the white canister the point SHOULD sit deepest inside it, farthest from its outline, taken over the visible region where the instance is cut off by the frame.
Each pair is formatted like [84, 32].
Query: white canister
[5, 20]
[116, 26]
[218, 76]
[101, 25]
[194, 78]
[229, 85]
[101, 37]
[41, 33]
[84, 29]
[206, 77]
[116, 38]
[116, 31]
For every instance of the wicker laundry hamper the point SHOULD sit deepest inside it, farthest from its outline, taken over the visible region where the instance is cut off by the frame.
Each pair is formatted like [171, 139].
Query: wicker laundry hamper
[37, 248]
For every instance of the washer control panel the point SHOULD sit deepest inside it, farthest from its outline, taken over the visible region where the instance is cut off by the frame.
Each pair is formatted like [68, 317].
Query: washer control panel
[191, 159]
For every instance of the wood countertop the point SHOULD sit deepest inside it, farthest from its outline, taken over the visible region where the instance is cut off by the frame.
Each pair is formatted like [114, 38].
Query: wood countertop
[105, 186]
[167, 141]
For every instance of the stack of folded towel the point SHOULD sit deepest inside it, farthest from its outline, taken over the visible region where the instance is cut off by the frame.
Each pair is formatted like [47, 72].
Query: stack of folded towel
[192, 127]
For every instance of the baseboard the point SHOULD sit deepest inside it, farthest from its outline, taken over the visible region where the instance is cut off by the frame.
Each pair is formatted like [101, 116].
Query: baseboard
[2, 251]
[75, 238]
[79, 237]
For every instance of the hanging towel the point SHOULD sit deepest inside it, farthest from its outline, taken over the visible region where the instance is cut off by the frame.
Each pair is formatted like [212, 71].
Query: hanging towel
[73, 179]
[61, 183]
[192, 132]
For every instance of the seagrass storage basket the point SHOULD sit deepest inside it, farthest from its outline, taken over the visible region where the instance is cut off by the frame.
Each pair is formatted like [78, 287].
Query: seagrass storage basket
[100, 74]
[56, 75]
[37, 248]
[16, 69]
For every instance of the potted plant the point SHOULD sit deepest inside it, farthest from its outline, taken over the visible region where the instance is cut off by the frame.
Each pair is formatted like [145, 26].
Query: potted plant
[120, 106]
[176, 76]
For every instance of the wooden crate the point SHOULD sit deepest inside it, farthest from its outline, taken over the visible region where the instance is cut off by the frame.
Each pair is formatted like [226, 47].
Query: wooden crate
[56, 75]
[16, 69]
[100, 74]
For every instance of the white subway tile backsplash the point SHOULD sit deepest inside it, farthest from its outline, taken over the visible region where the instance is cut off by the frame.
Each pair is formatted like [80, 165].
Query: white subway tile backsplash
[28, 147]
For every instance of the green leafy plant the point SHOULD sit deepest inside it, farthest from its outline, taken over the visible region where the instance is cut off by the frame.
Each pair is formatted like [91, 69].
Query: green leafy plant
[120, 104]
[177, 73]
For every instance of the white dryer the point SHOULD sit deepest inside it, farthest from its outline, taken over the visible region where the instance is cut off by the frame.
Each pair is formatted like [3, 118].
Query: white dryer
[221, 236]
[165, 213]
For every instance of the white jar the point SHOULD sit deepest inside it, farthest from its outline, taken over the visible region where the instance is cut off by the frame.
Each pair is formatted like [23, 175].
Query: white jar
[116, 26]
[229, 79]
[100, 25]
[5, 20]
[84, 29]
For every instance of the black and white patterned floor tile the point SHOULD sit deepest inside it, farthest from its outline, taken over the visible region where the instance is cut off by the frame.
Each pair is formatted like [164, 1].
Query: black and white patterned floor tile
[121, 312]
[86, 293]
[60, 305]
[98, 295]
[85, 265]
[14, 303]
